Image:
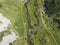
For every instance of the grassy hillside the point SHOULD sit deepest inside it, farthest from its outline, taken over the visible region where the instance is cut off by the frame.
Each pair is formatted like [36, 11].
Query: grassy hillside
[29, 20]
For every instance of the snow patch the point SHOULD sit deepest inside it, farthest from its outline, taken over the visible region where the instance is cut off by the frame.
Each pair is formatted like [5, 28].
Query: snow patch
[3, 27]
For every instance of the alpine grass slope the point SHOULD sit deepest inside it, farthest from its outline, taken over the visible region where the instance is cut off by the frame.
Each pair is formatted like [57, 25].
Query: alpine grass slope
[37, 22]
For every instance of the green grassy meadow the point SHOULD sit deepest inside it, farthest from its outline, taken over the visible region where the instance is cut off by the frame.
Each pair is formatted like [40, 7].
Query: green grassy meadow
[47, 34]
